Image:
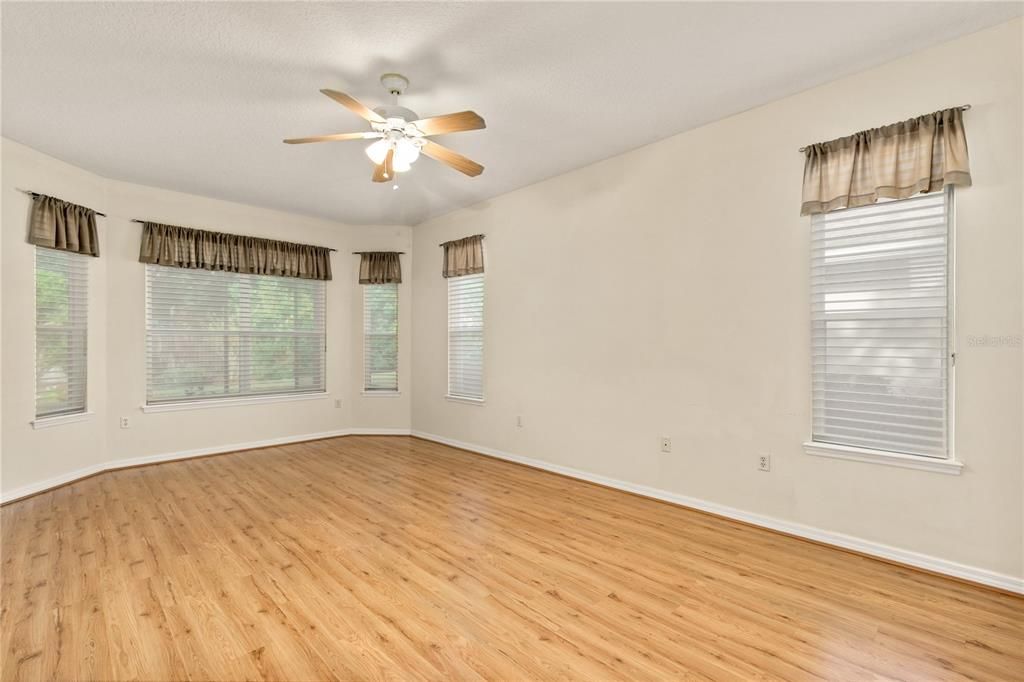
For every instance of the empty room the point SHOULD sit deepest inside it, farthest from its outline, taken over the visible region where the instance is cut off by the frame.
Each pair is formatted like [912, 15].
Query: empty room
[511, 341]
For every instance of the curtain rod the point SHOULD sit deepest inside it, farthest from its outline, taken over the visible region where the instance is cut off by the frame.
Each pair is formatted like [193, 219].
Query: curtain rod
[143, 222]
[37, 194]
[470, 236]
[962, 107]
[360, 253]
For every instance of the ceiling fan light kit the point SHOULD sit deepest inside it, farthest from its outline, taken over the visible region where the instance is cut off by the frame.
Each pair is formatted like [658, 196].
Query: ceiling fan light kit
[400, 134]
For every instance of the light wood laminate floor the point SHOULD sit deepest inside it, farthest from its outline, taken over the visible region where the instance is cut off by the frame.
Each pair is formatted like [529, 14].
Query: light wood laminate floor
[396, 558]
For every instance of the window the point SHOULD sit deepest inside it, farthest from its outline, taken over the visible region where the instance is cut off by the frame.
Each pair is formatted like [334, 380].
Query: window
[466, 337]
[212, 334]
[62, 280]
[380, 337]
[880, 283]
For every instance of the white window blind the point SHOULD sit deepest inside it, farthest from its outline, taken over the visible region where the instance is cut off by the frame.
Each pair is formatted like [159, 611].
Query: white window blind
[380, 337]
[880, 312]
[212, 334]
[466, 336]
[62, 281]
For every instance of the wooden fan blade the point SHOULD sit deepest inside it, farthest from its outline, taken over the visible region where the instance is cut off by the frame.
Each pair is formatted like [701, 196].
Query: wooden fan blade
[385, 171]
[354, 105]
[332, 138]
[450, 123]
[453, 159]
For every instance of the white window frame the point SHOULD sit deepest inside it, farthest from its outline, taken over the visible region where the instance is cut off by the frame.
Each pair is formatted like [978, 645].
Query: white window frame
[75, 414]
[454, 396]
[949, 464]
[224, 400]
[367, 389]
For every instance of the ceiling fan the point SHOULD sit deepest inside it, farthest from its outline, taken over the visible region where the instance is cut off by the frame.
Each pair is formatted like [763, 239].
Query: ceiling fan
[401, 135]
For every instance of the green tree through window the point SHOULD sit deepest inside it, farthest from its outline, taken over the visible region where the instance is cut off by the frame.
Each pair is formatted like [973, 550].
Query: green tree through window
[223, 334]
[61, 332]
[380, 337]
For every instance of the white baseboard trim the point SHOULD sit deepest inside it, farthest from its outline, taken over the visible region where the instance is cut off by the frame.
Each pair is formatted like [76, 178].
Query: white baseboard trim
[55, 481]
[113, 465]
[379, 432]
[882, 551]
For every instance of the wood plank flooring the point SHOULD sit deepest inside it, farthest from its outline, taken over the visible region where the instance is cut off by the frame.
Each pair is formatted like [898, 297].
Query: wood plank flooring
[395, 558]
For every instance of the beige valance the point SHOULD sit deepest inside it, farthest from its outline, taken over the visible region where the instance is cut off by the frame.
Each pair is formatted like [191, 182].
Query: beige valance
[59, 224]
[896, 161]
[463, 256]
[185, 247]
[380, 267]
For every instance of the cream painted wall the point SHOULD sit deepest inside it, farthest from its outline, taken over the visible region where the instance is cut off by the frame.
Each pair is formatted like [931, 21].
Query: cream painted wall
[29, 455]
[666, 292]
[117, 328]
[655, 293]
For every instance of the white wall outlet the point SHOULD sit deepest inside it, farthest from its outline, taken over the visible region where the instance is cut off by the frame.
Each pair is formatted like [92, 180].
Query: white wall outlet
[666, 444]
[519, 421]
[337, 403]
[764, 462]
[124, 423]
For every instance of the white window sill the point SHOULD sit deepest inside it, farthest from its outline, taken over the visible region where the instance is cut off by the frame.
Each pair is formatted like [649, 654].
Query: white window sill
[381, 394]
[232, 402]
[60, 420]
[942, 466]
[467, 401]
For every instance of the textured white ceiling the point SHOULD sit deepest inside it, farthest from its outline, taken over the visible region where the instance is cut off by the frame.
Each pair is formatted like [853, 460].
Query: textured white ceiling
[196, 97]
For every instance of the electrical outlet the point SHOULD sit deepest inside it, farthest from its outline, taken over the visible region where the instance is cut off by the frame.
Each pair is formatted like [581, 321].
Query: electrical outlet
[519, 421]
[666, 444]
[337, 403]
[764, 462]
[124, 422]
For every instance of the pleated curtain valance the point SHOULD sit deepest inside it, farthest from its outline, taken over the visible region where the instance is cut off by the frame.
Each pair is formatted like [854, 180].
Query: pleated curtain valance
[463, 256]
[896, 161]
[59, 224]
[380, 267]
[185, 247]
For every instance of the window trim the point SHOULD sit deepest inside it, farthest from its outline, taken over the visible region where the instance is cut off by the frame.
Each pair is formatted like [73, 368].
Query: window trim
[463, 399]
[951, 329]
[950, 464]
[210, 403]
[896, 459]
[60, 419]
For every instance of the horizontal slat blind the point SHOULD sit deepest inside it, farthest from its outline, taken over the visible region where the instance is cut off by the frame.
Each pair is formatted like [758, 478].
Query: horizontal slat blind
[466, 336]
[380, 337]
[62, 288]
[212, 334]
[880, 312]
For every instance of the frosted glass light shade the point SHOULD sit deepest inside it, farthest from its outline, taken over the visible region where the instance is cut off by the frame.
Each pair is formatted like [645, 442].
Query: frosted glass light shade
[378, 151]
[406, 153]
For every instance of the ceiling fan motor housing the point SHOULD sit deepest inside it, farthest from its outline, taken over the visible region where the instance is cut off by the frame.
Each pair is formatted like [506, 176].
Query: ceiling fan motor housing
[390, 111]
[397, 116]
